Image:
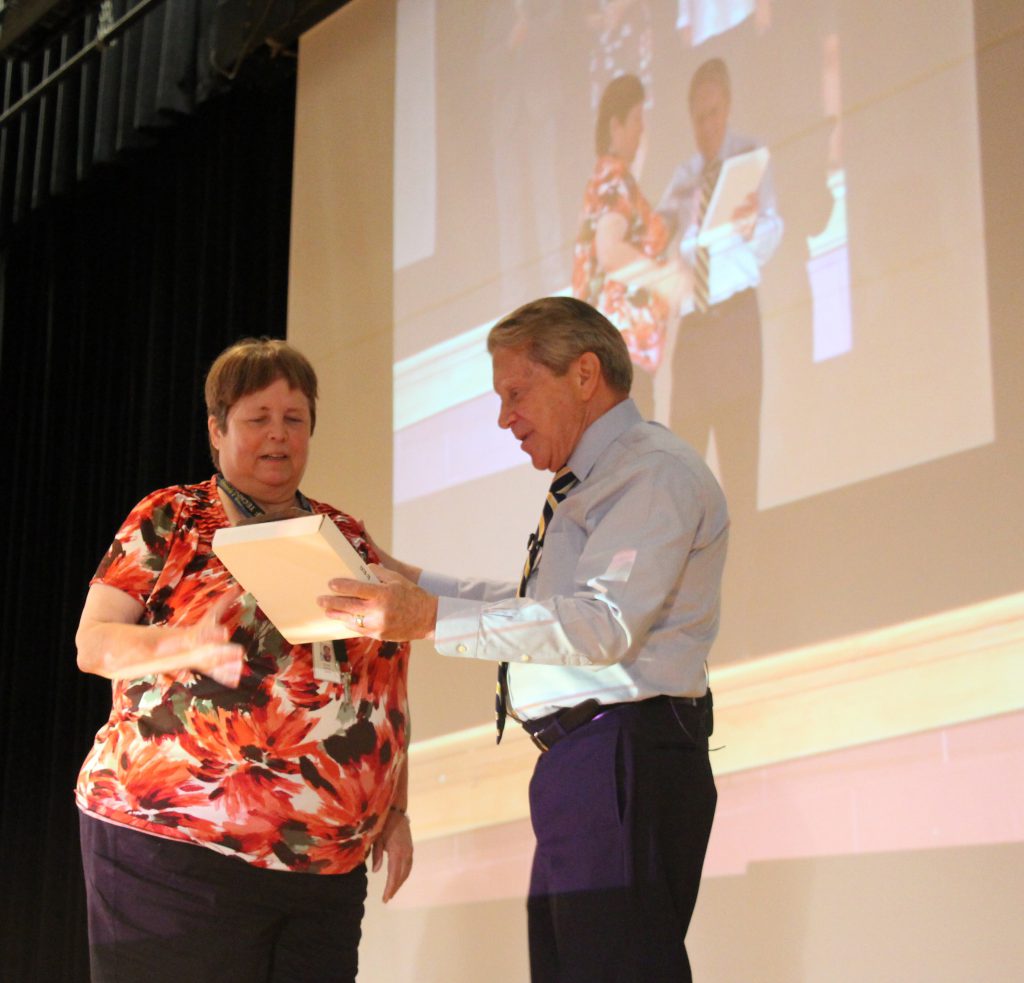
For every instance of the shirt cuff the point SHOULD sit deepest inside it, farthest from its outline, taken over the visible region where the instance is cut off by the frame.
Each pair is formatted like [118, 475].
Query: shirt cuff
[457, 630]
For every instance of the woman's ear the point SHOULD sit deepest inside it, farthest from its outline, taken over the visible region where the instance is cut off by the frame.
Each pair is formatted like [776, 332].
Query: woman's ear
[614, 134]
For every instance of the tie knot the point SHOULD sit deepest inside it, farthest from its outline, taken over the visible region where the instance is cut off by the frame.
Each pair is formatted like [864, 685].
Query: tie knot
[563, 482]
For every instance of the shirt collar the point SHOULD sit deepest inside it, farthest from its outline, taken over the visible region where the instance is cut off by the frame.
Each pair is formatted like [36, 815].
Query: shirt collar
[599, 436]
[725, 151]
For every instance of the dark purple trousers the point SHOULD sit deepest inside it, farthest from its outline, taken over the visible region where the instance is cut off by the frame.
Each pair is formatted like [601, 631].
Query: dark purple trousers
[622, 811]
[163, 910]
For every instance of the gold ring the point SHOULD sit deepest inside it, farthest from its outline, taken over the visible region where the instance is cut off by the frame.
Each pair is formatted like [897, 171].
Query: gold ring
[359, 621]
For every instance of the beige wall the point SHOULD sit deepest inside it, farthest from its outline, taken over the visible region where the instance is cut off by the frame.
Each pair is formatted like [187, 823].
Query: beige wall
[339, 301]
[932, 915]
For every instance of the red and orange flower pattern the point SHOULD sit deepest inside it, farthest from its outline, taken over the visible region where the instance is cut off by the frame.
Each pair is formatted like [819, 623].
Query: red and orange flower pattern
[268, 771]
[637, 311]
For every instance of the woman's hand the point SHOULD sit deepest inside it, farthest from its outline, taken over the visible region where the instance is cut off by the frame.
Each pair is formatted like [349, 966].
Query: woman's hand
[670, 279]
[111, 643]
[203, 647]
[395, 840]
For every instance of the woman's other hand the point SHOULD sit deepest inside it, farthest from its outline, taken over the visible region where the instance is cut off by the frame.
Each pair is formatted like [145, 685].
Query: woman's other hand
[395, 841]
[203, 647]
[112, 644]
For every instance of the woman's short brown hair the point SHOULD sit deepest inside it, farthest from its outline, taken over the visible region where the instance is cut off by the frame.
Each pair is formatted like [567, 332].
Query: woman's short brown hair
[617, 101]
[250, 365]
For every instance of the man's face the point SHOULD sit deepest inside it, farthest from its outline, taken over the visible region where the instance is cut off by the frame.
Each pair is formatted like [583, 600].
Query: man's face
[709, 111]
[546, 413]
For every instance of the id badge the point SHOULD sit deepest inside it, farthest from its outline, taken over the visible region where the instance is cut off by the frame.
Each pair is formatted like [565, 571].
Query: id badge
[325, 666]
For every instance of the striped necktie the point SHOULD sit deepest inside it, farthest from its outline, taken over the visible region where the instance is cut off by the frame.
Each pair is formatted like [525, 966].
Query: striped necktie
[564, 481]
[702, 260]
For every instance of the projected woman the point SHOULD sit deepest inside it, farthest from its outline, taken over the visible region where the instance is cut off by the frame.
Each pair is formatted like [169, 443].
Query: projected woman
[618, 265]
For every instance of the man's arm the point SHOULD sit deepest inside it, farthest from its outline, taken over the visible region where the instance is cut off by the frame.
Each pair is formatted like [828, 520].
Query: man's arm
[630, 564]
[615, 590]
[677, 205]
[669, 207]
[766, 234]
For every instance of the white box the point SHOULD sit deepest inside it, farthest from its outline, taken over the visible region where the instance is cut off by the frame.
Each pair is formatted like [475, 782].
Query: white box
[285, 565]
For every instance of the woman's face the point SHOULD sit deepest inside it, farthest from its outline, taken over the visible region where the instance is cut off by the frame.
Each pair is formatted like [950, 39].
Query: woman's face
[264, 445]
[626, 134]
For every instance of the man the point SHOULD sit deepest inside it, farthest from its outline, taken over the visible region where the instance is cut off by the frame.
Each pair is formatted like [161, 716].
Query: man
[716, 365]
[605, 640]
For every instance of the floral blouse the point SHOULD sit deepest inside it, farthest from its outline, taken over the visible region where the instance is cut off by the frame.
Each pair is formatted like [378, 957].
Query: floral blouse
[282, 772]
[639, 313]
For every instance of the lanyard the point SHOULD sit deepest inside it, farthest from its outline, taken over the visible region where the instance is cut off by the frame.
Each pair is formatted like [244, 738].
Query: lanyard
[330, 659]
[246, 505]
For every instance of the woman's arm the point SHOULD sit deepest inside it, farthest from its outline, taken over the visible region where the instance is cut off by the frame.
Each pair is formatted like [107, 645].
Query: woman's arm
[613, 251]
[111, 643]
[395, 839]
[617, 257]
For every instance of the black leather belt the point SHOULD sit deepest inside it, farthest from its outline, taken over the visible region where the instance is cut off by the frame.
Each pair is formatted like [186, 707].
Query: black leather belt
[720, 309]
[547, 731]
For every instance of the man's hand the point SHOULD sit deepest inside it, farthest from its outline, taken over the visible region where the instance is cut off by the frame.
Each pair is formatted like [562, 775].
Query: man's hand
[744, 218]
[395, 610]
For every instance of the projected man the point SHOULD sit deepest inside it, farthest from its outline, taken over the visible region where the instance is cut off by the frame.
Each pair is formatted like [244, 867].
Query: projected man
[716, 367]
[601, 648]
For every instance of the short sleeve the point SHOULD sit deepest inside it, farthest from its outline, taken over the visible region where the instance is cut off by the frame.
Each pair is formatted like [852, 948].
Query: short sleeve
[613, 197]
[136, 558]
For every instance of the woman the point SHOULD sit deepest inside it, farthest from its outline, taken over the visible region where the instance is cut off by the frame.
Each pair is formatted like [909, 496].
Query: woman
[617, 261]
[229, 803]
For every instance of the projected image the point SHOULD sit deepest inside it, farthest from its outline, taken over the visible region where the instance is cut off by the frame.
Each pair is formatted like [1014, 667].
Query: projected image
[778, 208]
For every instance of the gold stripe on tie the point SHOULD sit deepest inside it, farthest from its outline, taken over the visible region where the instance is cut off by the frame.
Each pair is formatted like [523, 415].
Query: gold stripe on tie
[702, 263]
[564, 481]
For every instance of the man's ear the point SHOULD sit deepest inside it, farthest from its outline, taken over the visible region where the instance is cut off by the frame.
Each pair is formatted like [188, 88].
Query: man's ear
[588, 374]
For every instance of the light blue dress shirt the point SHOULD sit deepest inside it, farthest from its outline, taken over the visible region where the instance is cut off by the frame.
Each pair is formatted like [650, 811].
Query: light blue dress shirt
[624, 602]
[734, 263]
[706, 18]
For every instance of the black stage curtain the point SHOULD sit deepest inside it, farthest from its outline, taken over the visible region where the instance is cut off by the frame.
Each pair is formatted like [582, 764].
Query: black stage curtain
[107, 108]
[114, 298]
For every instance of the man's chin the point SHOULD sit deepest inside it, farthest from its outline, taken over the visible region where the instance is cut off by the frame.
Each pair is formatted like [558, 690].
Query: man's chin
[538, 463]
